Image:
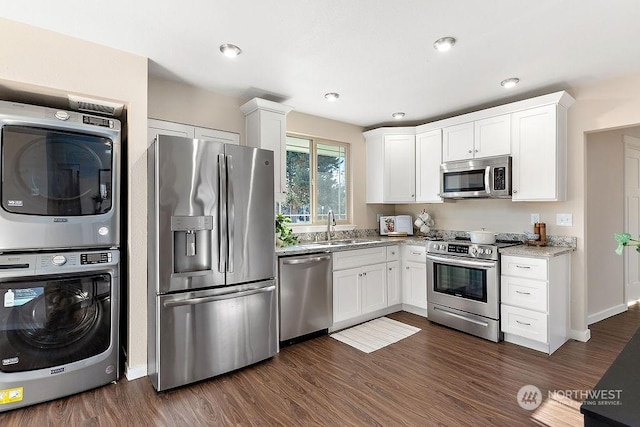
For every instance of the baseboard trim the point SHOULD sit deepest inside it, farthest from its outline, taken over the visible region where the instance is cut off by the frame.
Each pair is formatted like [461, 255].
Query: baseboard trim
[604, 314]
[582, 336]
[135, 372]
[414, 310]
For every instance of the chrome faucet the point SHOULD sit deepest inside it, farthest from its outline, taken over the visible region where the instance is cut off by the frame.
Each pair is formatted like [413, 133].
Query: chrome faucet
[331, 220]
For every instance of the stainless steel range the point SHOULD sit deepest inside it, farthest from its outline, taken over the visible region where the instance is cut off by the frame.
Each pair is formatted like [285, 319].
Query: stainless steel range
[463, 286]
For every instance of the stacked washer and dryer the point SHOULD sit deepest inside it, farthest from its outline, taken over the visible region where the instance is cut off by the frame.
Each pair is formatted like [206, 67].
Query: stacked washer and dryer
[59, 253]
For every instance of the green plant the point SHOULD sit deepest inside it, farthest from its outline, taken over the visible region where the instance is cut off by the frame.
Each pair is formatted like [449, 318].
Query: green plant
[284, 234]
[625, 239]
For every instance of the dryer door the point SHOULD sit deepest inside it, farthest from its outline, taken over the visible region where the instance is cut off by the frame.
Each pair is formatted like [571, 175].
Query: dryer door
[51, 321]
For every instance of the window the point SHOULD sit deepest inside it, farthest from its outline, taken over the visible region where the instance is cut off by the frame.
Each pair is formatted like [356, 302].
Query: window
[317, 180]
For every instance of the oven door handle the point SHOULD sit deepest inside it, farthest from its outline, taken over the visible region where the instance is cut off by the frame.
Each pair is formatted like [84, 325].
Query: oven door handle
[462, 262]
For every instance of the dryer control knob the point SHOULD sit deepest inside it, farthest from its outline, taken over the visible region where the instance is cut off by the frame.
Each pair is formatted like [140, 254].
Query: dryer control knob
[59, 260]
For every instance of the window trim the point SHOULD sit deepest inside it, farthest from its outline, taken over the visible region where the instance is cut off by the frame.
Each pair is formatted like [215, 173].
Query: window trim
[313, 164]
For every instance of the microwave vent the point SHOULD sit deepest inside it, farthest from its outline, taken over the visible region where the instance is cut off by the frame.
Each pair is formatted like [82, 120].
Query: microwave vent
[94, 106]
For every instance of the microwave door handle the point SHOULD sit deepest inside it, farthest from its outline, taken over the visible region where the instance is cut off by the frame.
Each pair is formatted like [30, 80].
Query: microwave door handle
[487, 180]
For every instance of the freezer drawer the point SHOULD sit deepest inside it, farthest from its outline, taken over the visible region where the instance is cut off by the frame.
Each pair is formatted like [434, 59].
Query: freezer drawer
[207, 333]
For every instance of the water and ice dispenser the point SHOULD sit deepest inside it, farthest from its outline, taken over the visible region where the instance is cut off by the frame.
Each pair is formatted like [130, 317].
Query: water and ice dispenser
[191, 243]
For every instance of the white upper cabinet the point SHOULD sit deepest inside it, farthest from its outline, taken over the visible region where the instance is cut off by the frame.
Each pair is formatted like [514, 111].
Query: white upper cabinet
[457, 142]
[481, 138]
[539, 154]
[217, 135]
[428, 159]
[399, 179]
[161, 127]
[266, 127]
[391, 165]
[532, 131]
[492, 136]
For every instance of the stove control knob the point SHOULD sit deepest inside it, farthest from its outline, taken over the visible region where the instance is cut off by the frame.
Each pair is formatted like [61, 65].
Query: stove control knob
[472, 250]
[480, 251]
[488, 251]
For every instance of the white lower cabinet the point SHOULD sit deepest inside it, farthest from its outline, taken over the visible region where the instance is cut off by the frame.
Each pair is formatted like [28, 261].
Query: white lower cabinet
[414, 280]
[365, 285]
[394, 290]
[535, 301]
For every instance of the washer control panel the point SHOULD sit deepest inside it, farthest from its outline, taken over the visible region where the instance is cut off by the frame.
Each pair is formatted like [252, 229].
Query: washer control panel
[95, 258]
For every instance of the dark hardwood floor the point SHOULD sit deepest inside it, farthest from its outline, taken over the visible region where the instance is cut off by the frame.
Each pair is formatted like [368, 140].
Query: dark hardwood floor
[435, 377]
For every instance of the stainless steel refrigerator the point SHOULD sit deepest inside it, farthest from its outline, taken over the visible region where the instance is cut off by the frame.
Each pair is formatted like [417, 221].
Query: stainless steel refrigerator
[212, 294]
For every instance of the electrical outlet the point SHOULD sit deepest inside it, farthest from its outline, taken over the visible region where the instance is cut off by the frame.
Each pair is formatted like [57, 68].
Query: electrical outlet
[565, 220]
[535, 218]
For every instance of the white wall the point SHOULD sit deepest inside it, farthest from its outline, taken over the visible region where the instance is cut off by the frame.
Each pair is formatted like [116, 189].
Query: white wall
[605, 215]
[181, 103]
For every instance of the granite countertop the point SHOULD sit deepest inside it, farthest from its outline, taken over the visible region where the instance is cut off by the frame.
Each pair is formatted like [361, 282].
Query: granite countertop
[560, 245]
[536, 251]
[362, 243]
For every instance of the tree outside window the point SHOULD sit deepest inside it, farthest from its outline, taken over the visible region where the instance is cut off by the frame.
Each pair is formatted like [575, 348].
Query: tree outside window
[317, 180]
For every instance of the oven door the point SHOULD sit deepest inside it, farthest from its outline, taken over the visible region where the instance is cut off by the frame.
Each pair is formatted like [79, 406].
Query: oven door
[468, 285]
[48, 321]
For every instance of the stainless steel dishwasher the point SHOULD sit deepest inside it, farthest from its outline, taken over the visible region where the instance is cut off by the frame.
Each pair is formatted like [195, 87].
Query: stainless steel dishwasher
[306, 295]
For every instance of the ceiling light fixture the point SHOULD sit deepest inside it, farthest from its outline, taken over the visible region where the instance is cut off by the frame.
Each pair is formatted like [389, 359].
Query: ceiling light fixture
[331, 96]
[444, 44]
[398, 115]
[230, 50]
[509, 83]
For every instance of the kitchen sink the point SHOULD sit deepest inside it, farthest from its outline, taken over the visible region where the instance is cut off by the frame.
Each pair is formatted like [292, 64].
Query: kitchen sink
[343, 242]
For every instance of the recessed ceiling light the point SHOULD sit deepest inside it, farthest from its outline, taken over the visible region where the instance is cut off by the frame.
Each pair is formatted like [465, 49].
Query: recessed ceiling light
[509, 83]
[331, 96]
[444, 44]
[398, 115]
[230, 50]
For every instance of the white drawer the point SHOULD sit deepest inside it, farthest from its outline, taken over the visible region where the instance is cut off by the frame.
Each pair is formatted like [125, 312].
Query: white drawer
[359, 257]
[525, 323]
[530, 268]
[525, 293]
[393, 253]
[415, 254]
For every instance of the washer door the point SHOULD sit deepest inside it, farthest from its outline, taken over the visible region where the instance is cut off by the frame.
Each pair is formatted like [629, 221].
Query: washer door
[55, 321]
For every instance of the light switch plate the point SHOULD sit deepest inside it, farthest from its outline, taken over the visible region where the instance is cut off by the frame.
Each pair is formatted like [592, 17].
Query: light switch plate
[535, 218]
[566, 220]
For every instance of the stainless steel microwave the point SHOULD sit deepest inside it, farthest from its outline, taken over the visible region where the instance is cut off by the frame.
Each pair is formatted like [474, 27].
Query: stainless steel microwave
[476, 178]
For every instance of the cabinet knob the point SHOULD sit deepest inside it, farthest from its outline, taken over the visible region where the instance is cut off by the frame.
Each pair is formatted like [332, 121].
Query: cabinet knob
[475, 151]
[407, 268]
[470, 151]
[360, 275]
[390, 268]
[515, 191]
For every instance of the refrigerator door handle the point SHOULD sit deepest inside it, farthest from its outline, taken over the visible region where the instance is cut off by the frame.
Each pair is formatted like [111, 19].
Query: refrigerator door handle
[230, 215]
[222, 214]
[221, 297]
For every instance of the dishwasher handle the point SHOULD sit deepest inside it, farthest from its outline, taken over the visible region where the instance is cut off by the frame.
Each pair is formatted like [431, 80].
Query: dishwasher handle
[306, 260]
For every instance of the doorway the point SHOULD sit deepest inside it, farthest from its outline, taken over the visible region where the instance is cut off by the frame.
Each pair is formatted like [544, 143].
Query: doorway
[632, 216]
